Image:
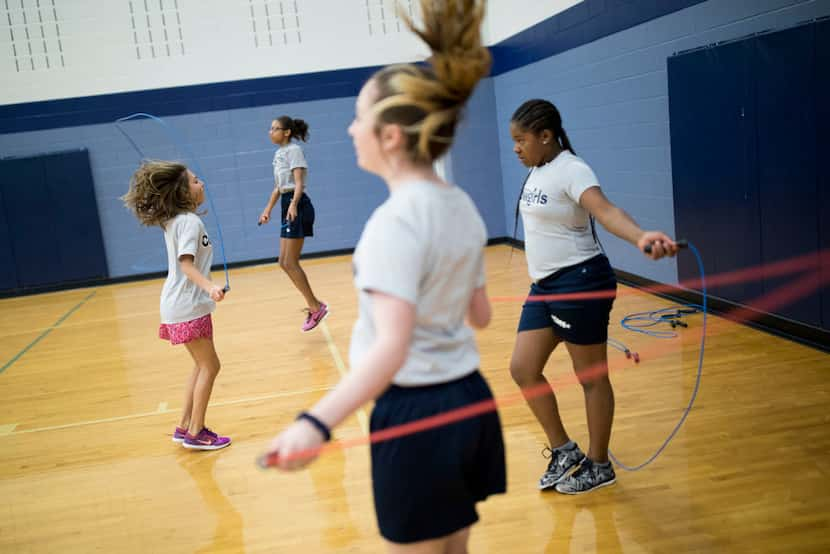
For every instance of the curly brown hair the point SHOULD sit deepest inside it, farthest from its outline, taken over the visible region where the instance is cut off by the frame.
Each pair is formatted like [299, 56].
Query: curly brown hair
[159, 191]
[427, 100]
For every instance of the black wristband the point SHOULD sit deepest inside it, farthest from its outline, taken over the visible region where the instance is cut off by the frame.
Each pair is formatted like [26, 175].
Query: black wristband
[319, 425]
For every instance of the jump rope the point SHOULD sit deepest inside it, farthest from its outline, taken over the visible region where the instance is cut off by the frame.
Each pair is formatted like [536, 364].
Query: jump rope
[271, 459]
[639, 322]
[642, 322]
[178, 141]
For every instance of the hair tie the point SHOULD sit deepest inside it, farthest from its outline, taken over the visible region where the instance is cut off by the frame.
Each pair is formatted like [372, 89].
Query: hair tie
[319, 425]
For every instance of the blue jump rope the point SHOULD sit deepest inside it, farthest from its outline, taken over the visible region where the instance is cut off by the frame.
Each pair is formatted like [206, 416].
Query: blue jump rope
[179, 141]
[641, 323]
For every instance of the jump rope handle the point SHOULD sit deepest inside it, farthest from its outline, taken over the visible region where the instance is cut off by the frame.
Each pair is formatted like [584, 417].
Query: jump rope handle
[268, 460]
[682, 243]
[226, 288]
[284, 225]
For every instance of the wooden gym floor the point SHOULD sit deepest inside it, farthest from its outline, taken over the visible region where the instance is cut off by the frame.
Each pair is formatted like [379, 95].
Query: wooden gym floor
[89, 397]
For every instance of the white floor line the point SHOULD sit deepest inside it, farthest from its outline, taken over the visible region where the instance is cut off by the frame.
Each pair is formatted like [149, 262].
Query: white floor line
[341, 367]
[160, 411]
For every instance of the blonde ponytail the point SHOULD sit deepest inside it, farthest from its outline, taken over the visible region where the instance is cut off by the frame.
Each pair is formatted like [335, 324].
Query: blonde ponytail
[427, 100]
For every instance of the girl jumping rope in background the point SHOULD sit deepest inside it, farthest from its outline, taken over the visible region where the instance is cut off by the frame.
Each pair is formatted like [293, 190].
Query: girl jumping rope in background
[419, 271]
[297, 222]
[167, 194]
[558, 200]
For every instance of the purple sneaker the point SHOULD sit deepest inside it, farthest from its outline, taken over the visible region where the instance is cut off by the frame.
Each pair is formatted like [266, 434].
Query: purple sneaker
[313, 319]
[179, 434]
[206, 440]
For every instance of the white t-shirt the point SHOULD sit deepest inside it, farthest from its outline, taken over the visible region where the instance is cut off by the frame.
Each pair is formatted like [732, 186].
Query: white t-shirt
[286, 159]
[424, 245]
[557, 228]
[181, 299]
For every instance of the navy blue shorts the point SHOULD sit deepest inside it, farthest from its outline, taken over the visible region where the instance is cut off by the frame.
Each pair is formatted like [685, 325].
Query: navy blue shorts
[303, 224]
[574, 321]
[426, 485]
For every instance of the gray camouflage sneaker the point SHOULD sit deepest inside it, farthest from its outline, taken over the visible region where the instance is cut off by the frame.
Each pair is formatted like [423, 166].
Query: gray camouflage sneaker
[588, 477]
[562, 462]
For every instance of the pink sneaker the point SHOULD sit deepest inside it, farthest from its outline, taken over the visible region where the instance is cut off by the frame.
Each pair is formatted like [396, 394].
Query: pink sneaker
[205, 440]
[313, 319]
[179, 434]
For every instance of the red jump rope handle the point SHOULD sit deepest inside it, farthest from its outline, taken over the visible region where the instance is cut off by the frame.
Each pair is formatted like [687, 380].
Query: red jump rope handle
[268, 460]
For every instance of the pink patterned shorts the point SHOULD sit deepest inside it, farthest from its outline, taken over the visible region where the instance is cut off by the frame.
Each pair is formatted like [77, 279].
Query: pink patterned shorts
[180, 333]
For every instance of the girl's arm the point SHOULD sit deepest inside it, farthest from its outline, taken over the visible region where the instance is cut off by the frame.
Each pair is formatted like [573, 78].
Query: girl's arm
[299, 183]
[621, 224]
[479, 311]
[215, 291]
[299, 187]
[394, 321]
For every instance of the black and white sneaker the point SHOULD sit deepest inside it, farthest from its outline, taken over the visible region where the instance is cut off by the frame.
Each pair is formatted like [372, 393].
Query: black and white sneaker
[562, 463]
[588, 477]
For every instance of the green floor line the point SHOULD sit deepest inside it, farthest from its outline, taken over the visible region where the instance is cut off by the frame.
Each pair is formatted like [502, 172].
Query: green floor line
[46, 332]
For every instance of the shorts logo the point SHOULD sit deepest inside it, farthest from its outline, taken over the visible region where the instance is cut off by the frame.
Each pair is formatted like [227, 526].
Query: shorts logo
[563, 324]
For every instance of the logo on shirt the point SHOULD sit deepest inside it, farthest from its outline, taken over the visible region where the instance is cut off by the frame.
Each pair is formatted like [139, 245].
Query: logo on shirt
[534, 196]
[563, 324]
[205, 241]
